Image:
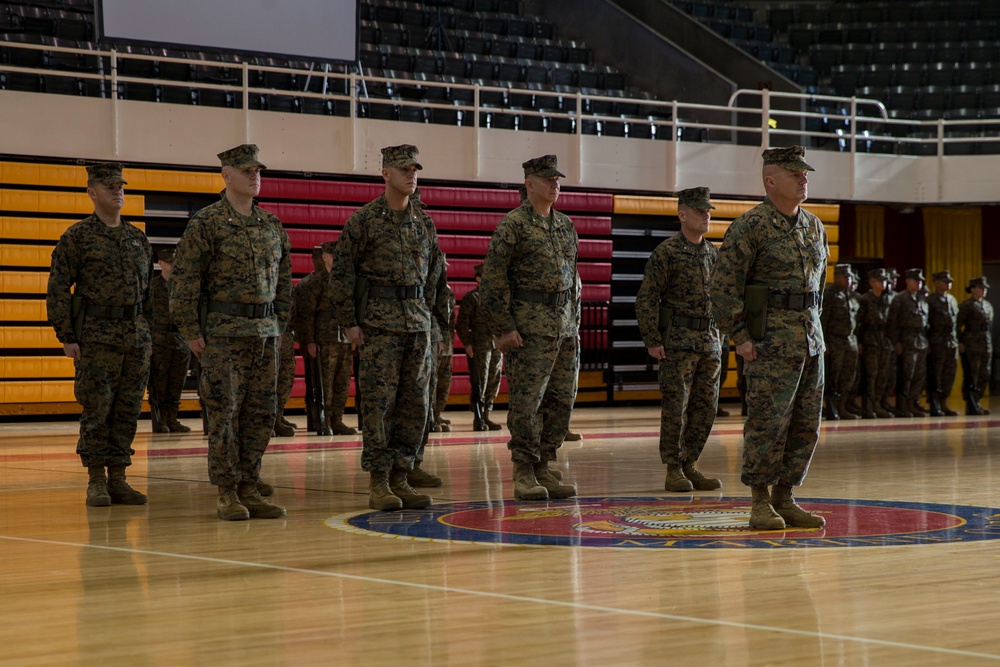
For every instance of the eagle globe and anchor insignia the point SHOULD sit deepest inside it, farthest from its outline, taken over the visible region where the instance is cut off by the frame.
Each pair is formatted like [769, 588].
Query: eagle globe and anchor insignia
[693, 522]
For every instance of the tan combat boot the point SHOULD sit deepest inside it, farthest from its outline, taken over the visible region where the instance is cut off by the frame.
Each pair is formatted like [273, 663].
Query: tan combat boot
[676, 481]
[170, 419]
[845, 411]
[264, 489]
[698, 480]
[762, 514]
[401, 489]
[119, 490]
[257, 505]
[97, 488]
[555, 488]
[788, 509]
[526, 486]
[420, 477]
[228, 507]
[379, 495]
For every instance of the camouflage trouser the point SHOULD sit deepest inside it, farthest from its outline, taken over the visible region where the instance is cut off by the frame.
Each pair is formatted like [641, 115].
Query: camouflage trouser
[878, 365]
[942, 366]
[238, 392]
[443, 389]
[395, 372]
[689, 382]
[338, 361]
[976, 370]
[488, 362]
[541, 382]
[912, 374]
[286, 370]
[110, 382]
[841, 367]
[168, 369]
[784, 399]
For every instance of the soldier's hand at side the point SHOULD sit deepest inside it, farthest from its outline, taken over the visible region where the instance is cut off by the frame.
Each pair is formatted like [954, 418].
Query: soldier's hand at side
[507, 341]
[197, 346]
[746, 350]
[312, 348]
[71, 350]
[961, 348]
[355, 335]
[657, 352]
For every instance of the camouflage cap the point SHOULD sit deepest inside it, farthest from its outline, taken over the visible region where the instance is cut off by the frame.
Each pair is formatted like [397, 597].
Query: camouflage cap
[401, 156]
[791, 158]
[943, 275]
[165, 255]
[878, 274]
[478, 268]
[108, 173]
[328, 247]
[843, 269]
[696, 198]
[915, 274]
[545, 166]
[978, 281]
[892, 273]
[241, 157]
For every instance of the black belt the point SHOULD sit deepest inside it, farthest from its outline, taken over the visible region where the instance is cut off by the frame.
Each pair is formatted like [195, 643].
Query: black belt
[694, 323]
[114, 312]
[549, 298]
[248, 310]
[169, 328]
[396, 291]
[803, 301]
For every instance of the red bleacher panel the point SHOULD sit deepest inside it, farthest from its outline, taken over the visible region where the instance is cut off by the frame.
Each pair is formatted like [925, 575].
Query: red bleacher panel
[316, 190]
[461, 289]
[597, 249]
[594, 272]
[307, 239]
[597, 292]
[463, 245]
[485, 221]
[310, 214]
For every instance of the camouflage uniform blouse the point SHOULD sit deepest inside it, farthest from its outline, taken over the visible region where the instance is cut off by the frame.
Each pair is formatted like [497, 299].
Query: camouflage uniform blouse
[314, 321]
[975, 322]
[678, 275]
[232, 258]
[943, 309]
[107, 271]
[536, 254]
[840, 316]
[473, 326]
[165, 332]
[376, 245]
[873, 313]
[908, 321]
[762, 247]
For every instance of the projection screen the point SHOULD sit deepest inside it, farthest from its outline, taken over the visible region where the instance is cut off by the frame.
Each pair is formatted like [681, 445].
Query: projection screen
[307, 29]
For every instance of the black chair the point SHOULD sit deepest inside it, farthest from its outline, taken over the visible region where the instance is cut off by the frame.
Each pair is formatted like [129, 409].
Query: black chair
[560, 125]
[908, 74]
[413, 114]
[964, 97]
[531, 123]
[940, 73]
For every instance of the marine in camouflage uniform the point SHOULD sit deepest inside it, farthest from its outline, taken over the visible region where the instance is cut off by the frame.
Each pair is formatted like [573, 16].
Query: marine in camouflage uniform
[674, 311]
[234, 258]
[285, 380]
[391, 246]
[531, 293]
[876, 348]
[942, 357]
[325, 340]
[839, 320]
[485, 361]
[444, 339]
[168, 365]
[907, 325]
[780, 246]
[975, 325]
[108, 263]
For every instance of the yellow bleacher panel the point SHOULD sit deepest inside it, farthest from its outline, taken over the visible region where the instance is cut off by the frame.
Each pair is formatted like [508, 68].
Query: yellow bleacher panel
[34, 391]
[834, 254]
[832, 234]
[56, 368]
[37, 229]
[22, 310]
[31, 338]
[52, 175]
[77, 203]
[173, 181]
[23, 282]
[726, 209]
[35, 256]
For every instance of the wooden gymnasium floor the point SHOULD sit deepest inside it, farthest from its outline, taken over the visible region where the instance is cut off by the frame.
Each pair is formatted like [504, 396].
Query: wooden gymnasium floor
[169, 584]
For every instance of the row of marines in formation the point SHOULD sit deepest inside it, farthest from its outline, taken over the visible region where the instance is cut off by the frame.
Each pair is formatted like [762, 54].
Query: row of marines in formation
[908, 341]
[230, 296]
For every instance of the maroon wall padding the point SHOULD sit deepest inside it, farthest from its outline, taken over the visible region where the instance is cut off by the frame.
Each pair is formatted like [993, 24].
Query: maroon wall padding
[436, 196]
[309, 214]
